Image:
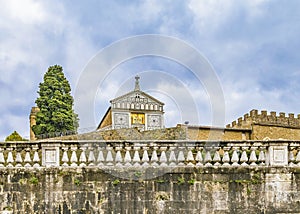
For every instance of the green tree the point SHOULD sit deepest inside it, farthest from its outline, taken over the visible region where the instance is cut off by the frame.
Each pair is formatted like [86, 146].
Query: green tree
[55, 102]
[14, 137]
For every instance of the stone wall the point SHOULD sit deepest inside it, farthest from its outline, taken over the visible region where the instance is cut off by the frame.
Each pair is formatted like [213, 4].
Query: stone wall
[182, 190]
[205, 133]
[175, 133]
[172, 176]
[271, 125]
[267, 119]
[261, 132]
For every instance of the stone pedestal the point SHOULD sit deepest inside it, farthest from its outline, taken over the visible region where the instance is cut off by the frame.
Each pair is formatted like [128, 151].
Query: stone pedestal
[50, 154]
[278, 155]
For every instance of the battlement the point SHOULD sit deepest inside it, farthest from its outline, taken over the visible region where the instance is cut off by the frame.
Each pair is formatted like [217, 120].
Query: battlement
[265, 118]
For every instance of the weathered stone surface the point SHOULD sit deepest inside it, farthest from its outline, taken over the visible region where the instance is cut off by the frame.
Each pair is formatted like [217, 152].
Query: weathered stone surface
[184, 190]
[174, 133]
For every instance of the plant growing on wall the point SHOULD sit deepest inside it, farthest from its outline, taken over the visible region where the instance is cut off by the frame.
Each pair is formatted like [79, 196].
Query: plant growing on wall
[34, 180]
[56, 104]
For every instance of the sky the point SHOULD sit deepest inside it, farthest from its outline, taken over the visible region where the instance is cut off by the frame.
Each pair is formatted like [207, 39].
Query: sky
[252, 46]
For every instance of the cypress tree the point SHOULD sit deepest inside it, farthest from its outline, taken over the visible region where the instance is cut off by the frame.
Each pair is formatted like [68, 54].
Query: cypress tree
[55, 102]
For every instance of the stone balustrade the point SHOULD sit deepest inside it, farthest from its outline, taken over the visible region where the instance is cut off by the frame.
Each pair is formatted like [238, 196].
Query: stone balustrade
[118, 154]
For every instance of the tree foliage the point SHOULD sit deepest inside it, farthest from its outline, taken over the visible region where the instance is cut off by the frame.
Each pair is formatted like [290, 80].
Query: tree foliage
[55, 102]
[14, 137]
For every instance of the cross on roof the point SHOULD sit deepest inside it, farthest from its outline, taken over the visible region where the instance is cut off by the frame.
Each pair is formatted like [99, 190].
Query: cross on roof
[137, 83]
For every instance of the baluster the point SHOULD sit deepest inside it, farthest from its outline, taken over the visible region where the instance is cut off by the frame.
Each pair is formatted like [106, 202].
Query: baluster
[181, 159]
[199, 158]
[217, 158]
[291, 157]
[163, 158]
[261, 156]
[145, 158]
[127, 158]
[235, 157]
[119, 158]
[2, 161]
[65, 158]
[172, 158]
[226, 157]
[10, 158]
[298, 157]
[74, 158]
[190, 157]
[19, 159]
[27, 159]
[91, 157]
[253, 157]
[154, 157]
[36, 157]
[100, 158]
[136, 157]
[207, 158]
[82, 157]
[244, 157]
[109, 157]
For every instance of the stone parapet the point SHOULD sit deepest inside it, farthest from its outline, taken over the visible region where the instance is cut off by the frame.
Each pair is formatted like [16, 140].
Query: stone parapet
[146, 176]
[144, 154]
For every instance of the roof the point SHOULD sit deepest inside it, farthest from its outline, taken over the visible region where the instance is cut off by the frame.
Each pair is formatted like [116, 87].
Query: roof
[103, 118]
[137, 91]
[215, 128]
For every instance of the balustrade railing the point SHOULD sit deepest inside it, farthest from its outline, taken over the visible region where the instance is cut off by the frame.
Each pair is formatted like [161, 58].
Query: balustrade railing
[117, 154]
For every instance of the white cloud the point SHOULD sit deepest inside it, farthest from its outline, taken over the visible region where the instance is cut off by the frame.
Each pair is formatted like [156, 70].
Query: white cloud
[25, 11]
[248, 42]
[211, 14]
[149, 10]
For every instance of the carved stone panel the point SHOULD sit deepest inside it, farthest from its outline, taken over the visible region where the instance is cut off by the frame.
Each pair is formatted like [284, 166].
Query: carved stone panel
[154, 122]
[278, 155]
[50, 154]
[121, 120]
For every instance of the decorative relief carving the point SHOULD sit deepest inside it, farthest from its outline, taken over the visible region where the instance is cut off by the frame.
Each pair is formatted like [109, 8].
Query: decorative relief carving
[121, 120]
[154, 122]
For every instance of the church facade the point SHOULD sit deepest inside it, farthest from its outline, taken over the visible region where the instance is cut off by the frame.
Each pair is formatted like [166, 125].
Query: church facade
[135, 109]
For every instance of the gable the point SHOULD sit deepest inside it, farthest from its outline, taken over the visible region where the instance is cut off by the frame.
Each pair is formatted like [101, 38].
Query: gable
[137, 100]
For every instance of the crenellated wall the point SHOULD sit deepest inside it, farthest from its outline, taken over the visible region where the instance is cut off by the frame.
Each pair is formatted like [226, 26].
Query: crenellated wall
[271, 125]
[254, 117]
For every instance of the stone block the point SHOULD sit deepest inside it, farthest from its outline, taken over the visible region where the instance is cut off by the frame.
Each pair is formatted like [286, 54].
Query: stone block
[50, 154]
[278, 155]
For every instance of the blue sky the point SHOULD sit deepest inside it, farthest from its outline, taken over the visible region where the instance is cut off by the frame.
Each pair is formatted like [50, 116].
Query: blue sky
[253, 46]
